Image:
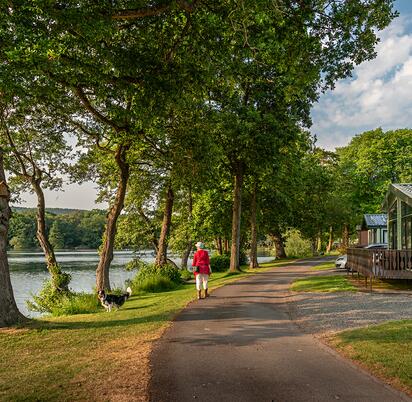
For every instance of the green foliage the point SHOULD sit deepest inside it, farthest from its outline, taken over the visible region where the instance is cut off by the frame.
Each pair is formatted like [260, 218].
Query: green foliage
[155, 284]
[186, 275]
[220, 263]
[296, 246]
[152, 270]
[135, 264]
[367, 165]
[22, 230]
[66, 230]
[76, 303]
[47, 299]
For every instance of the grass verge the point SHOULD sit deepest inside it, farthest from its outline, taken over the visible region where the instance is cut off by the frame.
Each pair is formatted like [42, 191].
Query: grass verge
[335, 283]
[324, 266]
[385, 350]
[93, 357]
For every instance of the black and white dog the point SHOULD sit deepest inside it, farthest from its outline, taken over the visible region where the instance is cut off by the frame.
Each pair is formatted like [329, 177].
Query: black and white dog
[109, 301]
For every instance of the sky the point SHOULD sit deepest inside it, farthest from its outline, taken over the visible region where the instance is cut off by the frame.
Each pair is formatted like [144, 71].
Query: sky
[379, 94]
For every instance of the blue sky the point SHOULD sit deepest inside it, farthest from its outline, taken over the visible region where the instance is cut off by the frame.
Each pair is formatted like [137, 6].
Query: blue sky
[379, 94]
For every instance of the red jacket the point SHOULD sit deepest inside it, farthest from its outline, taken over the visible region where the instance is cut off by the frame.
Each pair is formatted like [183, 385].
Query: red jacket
[201, 260]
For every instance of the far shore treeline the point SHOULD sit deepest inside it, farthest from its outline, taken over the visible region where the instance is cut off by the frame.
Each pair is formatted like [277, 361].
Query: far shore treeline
[66, 228]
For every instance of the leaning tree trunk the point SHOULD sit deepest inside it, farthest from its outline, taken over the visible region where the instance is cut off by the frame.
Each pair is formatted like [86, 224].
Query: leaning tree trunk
[106, 253]
[279, 244]
[186, 255]
[60, 280]
[330, 241]
[161, 257]
[237, 206]
[9, 313]
[189, 246]
[253, 231]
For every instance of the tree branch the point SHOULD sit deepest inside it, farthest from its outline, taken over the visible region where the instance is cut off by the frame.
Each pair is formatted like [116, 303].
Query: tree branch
[152, 11]
[86, 103]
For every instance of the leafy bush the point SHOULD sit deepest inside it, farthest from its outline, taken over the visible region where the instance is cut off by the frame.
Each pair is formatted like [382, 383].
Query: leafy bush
[136, 263]
[152, 270]
[77, 303]
[48, 300]
[220, 263]
[156, 283]
[186, 275]
[296, 246]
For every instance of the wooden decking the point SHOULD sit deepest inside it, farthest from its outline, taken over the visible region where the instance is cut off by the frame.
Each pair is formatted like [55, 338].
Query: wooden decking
[380, 263]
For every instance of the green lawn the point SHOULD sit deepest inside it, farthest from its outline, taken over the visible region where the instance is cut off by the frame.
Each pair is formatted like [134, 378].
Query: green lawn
[386, 350]
[84, 357]
[324, 266]
[335, 283]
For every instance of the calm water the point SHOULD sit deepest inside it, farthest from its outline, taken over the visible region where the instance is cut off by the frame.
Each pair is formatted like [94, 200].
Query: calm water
[28, 271]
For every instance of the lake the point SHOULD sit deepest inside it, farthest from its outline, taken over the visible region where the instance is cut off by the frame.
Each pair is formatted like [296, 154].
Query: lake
[28, 271]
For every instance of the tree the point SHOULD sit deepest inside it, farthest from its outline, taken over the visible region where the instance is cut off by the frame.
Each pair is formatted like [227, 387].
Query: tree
[9, 313]
[281, 57]
[36, 154]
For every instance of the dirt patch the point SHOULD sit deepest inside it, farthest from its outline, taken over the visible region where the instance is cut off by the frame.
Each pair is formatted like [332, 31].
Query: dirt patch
[123, 371]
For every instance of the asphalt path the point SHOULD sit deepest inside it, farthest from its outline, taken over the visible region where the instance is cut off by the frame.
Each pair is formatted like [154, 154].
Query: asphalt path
[241, 344]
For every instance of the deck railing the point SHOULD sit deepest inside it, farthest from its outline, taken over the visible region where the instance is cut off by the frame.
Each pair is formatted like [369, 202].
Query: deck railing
[381, 263]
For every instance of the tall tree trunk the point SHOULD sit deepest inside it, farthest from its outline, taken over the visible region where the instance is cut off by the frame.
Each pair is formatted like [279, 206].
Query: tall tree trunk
[220, 245]
[319, 242]
[9, 313]
[161, 257]
[279, 243]
[186, 253]
[345, 236]
[60, 280]
[313, 245]
[330, 241]
[237, 209]
[253, 231]
[226, 246]
[106, 253]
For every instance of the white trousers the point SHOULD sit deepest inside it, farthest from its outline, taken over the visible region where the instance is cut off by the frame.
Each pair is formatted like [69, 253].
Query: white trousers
[201, 278]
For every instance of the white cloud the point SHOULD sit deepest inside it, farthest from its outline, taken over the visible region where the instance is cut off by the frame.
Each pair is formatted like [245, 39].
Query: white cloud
[378, 95]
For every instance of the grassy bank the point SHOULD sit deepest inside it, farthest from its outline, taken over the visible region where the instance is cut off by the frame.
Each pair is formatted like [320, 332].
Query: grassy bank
[385, 350]
[336, 283]
[92, 357]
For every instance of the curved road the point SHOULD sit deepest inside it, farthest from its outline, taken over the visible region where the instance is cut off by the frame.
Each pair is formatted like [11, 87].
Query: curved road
[240, 344]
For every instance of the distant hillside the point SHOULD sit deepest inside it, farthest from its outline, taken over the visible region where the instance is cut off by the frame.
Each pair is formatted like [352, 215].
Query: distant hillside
[55, 211]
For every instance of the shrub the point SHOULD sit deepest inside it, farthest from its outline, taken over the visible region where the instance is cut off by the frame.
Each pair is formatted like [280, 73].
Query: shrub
[77, 303]
[48, 300]
[156, 283]
[296, 246]
[136, 263]
[151, 270]
[220, 263]
[186, 275]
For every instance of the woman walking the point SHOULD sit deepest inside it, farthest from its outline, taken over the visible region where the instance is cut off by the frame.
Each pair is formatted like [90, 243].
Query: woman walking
[202, 269]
